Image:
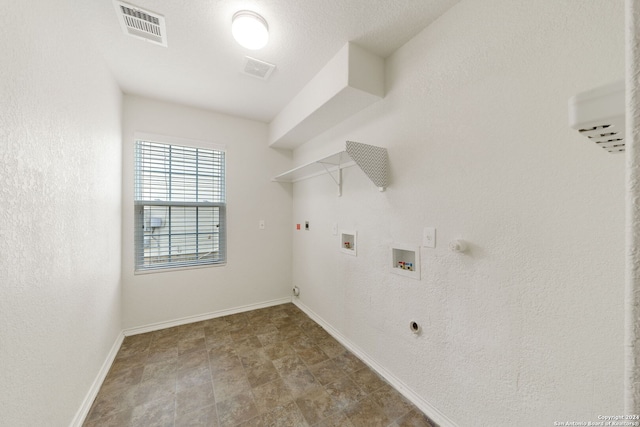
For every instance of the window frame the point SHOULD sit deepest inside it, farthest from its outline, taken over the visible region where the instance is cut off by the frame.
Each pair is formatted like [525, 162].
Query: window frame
[140, 204]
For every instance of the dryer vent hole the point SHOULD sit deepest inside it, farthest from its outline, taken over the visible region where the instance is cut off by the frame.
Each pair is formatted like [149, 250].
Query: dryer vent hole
[415, 328]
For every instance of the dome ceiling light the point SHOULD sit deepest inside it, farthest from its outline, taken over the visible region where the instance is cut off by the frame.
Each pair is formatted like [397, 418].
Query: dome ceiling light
[250, 29]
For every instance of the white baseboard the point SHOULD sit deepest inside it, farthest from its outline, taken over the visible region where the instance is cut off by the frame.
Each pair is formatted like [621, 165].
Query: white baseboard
[82, 413]
[441, 419]
[437, 416]
[200, 317]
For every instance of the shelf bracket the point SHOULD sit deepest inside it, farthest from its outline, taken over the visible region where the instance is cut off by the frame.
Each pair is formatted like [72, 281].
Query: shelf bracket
[337, 180]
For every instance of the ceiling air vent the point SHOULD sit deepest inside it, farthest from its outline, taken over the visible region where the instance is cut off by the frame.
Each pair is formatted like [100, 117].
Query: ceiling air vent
[141, 23]
[599, 114]
[256, 68]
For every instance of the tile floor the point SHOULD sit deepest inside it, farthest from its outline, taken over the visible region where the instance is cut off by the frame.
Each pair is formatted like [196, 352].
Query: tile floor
[268, 367]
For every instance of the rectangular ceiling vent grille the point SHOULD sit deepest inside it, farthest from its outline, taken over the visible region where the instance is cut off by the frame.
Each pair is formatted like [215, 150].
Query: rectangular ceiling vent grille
[141, 23]
[256, 68]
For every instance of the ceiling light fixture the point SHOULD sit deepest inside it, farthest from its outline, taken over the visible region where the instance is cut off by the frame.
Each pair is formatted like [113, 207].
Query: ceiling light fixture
[250, 29]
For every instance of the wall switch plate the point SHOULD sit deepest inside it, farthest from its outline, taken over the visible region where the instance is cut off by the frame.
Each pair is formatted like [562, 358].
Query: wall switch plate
[334, 229]
[262, 225]
[306, 225]
[429, 237]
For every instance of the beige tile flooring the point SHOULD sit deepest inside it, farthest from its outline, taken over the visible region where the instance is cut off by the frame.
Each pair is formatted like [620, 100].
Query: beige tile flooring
[268, 367]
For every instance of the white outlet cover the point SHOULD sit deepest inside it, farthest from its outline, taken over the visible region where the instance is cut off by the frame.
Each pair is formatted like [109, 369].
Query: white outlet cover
[429, 237]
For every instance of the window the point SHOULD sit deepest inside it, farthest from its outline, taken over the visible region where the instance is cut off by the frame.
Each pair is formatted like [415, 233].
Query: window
[179, 204]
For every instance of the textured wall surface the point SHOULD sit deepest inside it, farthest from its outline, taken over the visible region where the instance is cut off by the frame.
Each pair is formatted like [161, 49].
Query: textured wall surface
[60, 179]
[527, 327]
[258, 268]
[632, 294]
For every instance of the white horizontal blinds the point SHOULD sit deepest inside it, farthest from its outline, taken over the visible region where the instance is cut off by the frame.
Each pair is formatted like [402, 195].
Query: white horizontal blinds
[179, 174]
[180, 205]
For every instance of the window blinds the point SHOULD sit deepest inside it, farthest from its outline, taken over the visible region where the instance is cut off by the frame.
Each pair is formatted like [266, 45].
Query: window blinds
[180, 207]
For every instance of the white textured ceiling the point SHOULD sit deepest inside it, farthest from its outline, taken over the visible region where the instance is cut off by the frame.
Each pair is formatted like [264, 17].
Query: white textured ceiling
[202, 64]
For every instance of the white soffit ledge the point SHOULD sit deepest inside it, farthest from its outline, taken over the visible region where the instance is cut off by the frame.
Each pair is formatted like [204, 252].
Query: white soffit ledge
[351, 81]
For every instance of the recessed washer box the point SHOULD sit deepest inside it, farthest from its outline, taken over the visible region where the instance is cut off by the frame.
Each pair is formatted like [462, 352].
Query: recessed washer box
[349, 242]
[405, 260]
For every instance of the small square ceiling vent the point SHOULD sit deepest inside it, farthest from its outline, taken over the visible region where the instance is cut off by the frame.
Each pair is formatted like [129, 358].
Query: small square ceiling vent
[256, 68]
[141, 23]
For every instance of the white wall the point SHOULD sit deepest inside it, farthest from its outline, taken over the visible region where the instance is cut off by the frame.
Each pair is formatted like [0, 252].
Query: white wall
[526, 329]
[258, 269]
[60, 179]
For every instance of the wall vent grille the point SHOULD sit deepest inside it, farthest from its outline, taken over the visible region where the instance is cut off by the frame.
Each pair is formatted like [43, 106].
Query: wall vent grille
[599, 115]
[141, 23]
[606, 136]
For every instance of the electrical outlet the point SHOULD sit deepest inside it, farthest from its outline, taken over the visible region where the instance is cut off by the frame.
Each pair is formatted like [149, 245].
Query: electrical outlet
[429, 237]
[262, 225]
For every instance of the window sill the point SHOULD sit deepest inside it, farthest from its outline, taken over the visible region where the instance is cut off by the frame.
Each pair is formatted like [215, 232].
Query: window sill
[175, 269]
